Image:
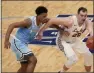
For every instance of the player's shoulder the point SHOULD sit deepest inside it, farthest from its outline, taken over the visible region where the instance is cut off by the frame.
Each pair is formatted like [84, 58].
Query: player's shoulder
[71, 19]
[28, 20]
[87, 21]
[31, 17]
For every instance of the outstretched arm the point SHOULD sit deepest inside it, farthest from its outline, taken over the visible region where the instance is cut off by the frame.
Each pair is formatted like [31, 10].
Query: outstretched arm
[54, 21]
[45, 26]
[40, 32]
[25, 23]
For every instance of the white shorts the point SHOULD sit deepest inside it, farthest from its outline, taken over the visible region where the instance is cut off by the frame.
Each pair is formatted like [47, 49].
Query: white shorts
[78, 46]
[69, 48]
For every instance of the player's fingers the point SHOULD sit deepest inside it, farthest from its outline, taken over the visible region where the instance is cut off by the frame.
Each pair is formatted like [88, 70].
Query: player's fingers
[37, 36]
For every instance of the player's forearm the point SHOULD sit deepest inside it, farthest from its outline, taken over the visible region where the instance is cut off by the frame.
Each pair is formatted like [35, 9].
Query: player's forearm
[43, 28]
[9, 30]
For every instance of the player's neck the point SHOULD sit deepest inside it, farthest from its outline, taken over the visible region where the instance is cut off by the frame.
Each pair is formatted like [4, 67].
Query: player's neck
[79, 23]
[38, 22]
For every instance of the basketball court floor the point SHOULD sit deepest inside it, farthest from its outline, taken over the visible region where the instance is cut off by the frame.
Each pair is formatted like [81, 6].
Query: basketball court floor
[50, 59]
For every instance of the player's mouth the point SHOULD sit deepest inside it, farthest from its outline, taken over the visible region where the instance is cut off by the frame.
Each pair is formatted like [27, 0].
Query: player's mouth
[83, 20]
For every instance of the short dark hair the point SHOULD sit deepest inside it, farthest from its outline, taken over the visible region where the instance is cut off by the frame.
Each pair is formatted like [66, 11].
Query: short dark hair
[41, 9]
[83, 9]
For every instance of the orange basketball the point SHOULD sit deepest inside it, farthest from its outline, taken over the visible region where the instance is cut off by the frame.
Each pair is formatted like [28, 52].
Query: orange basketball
[90, 43]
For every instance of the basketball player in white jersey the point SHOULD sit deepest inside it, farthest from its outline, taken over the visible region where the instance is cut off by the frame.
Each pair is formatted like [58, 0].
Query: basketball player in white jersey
[78, 26]
[26, 33]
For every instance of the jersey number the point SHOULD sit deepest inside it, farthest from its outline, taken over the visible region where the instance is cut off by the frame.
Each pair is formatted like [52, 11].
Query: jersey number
[77, 33]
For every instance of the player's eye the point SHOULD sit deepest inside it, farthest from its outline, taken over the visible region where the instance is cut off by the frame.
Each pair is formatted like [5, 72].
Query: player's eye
[81, 15]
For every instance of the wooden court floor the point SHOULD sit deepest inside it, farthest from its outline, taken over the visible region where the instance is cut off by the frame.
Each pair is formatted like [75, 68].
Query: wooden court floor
[50, 59]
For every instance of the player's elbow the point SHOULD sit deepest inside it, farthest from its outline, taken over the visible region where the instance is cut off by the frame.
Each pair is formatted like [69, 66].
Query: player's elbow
[13, 25]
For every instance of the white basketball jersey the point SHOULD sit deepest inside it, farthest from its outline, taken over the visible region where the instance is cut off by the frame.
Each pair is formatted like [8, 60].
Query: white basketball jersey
[75, 31]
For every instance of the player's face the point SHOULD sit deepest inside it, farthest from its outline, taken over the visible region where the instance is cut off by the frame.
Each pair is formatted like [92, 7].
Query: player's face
[42, 16]
[82, 16]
